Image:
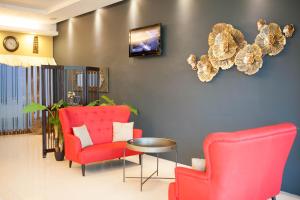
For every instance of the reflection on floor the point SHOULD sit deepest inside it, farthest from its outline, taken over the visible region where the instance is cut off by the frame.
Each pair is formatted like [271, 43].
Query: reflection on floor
[25, 175]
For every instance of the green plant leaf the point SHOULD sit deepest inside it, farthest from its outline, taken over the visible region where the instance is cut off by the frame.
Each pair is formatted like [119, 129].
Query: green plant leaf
[105, 104]
[94, 103]
[58, 105]
[65, 104]
[108, 100]
[132, 109]
[33, 107]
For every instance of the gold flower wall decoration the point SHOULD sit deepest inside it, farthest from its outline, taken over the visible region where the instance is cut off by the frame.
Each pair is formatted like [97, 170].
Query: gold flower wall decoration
[216, 29]
[223, 64]
[249, 59]
[227, 47]
[260, 23]
[224, 42]
[289, 30]
[206, 71]
[271, 39]
[192, 60]
[224, 46]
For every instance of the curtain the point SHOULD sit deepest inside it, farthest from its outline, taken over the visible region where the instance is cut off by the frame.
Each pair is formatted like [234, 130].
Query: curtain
[18, 87]
[20, 84]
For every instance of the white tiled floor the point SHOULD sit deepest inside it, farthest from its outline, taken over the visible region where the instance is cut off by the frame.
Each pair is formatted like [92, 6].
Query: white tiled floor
[25, 175]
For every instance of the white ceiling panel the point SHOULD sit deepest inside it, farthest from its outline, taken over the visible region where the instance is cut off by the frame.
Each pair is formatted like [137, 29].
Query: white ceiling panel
[35, 4]
[42, 15]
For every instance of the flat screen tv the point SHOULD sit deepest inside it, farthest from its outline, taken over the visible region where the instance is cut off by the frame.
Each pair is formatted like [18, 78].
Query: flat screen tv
[145, 41]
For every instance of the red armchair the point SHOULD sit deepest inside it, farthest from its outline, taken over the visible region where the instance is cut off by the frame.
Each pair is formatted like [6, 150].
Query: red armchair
[99, 121]
[243, 165]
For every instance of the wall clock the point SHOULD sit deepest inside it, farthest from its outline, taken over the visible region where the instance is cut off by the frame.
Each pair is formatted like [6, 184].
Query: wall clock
[10, 43]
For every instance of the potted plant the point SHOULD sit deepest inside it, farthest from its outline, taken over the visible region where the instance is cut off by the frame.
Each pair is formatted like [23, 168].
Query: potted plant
[106, 101]
[54, 120]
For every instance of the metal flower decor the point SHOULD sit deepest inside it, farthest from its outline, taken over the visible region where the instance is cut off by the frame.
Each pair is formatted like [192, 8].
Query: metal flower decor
[289, 30]
[249, 59]
[206, 71]
[260, 23]
[271, 39]
[227, 47]
[224, 42]
[192, 60]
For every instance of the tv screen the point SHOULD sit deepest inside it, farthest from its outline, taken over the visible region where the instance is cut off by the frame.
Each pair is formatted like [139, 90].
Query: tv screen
[145, 41]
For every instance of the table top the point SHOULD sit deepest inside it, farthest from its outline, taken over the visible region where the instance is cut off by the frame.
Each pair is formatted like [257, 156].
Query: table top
[151, 145]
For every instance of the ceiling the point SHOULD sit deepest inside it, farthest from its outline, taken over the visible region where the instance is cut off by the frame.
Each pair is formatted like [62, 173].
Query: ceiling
[41, 16]
[36, 4]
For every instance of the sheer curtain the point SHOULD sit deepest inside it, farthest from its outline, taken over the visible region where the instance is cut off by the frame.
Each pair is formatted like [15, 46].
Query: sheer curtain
[18, 87]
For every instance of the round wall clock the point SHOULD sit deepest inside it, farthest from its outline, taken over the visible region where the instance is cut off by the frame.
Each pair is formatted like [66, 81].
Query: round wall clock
[10, 43]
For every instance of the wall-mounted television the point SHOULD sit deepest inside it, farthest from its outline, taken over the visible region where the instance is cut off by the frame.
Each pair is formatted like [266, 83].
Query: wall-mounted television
[145, 41]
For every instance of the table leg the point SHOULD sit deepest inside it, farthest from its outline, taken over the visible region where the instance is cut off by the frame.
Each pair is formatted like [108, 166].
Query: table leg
[157, 164]
[124, 163]
[141, 172]
[142, 181]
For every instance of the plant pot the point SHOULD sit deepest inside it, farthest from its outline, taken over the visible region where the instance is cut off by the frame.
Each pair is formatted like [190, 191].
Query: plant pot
[59, 155]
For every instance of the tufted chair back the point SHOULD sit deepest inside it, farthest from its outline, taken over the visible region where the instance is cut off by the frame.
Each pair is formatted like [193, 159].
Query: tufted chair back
[98, 120]
[248, 164]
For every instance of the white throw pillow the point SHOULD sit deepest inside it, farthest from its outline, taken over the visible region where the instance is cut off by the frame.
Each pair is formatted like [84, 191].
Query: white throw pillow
[83, 134]
[199, 164]
[122, 131]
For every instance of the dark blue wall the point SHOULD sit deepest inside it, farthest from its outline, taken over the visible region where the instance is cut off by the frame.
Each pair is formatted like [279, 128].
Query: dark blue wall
[172, 102]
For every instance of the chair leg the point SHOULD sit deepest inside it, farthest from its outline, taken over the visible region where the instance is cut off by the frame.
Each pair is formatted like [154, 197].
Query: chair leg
[140, 159]
[83, 170]
[70, 163]
[273, 198]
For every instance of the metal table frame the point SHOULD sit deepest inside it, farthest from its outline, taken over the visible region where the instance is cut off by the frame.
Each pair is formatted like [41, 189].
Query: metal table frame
[143, 179]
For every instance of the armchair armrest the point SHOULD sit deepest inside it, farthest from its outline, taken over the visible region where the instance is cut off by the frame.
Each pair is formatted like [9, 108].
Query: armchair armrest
[137, 133]
[191, 184]
[72, 147]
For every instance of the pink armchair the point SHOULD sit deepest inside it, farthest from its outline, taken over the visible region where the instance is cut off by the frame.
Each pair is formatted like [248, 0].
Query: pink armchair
[243, 165]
